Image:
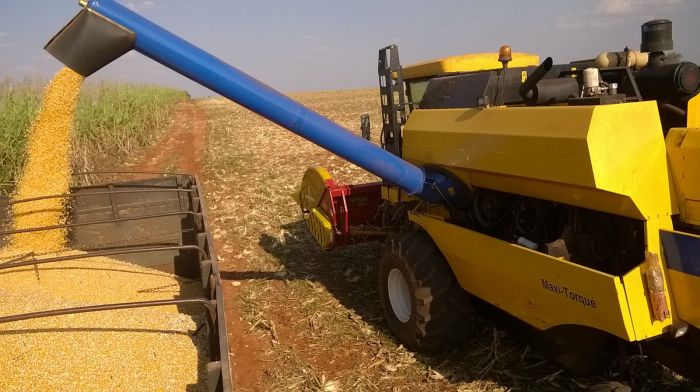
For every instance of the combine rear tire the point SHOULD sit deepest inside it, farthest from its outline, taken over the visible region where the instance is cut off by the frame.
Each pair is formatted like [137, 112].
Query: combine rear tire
[423, 304]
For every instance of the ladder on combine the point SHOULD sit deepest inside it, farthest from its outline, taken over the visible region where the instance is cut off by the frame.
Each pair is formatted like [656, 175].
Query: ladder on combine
[391, 89]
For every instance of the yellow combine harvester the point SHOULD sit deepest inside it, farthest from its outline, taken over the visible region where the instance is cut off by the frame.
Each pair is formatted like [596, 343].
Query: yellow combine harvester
[575, 204]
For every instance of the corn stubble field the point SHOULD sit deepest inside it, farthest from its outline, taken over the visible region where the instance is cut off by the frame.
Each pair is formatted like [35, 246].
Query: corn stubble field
[303, 319]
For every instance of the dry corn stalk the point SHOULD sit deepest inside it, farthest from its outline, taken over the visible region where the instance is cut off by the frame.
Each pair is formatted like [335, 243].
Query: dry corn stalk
[47, 167]
[655, 282]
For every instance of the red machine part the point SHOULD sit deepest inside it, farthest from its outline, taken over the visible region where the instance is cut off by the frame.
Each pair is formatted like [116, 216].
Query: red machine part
[339, 214]
[349, 206]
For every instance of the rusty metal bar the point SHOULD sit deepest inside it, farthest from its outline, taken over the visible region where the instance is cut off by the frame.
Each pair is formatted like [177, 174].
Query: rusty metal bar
[18, 263]
[69, 225]
[112, 202]
[12, 183]
[130, 172]
[17, 259]
[68, 195]
[211, 308]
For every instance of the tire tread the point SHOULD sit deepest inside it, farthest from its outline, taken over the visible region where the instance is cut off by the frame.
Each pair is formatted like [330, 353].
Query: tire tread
[443, 313]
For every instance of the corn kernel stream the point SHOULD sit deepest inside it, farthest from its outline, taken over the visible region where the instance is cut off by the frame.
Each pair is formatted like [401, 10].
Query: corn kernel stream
[47, 166]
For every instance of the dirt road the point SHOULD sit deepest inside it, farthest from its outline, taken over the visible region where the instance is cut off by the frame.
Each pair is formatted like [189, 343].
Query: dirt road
[181, 148]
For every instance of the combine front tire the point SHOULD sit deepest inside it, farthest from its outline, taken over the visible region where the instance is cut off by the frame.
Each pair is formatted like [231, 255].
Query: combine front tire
[423, 304]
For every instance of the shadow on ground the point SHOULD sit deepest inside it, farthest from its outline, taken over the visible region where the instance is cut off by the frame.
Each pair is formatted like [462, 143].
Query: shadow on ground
[350, 274]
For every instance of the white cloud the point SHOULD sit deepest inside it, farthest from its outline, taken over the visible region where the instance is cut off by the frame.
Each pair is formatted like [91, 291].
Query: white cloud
[140, 5]
[608, 13]
[617, 7]
[316, 45]
[3, 40]
[613, 7]
[321, 48]
[568, 22]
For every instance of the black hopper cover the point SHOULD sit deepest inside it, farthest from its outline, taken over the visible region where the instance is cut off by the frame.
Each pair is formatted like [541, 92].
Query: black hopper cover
[89, 42]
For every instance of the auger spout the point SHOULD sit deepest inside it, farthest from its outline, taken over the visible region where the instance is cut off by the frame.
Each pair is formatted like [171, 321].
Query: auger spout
[105, 30]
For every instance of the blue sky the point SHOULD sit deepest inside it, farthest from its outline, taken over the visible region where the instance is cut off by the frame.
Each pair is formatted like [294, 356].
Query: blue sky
[299, 45]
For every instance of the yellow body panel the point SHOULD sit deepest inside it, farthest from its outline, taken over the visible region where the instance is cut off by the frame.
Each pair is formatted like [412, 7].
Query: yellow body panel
[466, 63]
[634, 281]
[605, 157]
[645, 326]
[308, 197]
[686, 292]
[395, 194]
[609, 158]
[694, 112]
[683, 145]
[539, 289]
[320, 228]
[313, 187]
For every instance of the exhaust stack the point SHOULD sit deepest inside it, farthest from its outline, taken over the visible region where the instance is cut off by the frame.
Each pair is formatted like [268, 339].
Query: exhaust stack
[105, 30]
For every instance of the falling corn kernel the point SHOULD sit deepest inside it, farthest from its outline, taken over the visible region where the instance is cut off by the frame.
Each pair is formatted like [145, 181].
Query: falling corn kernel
[47, 167]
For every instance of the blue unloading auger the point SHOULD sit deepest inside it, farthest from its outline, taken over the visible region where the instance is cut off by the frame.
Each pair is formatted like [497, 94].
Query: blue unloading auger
[105, 30]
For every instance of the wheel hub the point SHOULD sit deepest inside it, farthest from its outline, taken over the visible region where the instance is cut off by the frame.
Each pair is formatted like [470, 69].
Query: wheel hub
[399, 295]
